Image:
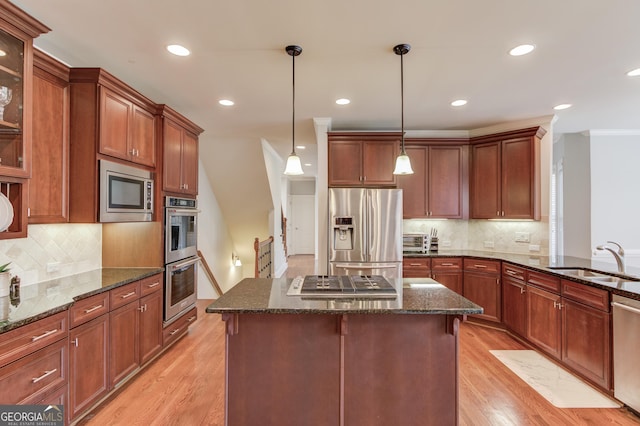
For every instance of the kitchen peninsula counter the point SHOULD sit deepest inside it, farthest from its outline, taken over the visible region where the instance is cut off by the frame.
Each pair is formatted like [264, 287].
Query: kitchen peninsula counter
[47, 298]
[341, 361]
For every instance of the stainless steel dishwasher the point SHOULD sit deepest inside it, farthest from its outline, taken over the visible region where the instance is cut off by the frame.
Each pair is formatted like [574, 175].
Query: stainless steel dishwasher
[626, 346]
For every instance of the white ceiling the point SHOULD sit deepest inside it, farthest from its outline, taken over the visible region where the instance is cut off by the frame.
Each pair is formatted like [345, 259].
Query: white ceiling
[459, 50]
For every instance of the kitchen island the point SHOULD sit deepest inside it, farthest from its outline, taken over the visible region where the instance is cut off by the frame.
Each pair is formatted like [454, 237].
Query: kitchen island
[294, 360]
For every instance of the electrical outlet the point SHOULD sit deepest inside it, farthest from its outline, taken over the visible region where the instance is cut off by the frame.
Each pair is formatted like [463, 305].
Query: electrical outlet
[522, 237]
[488, 244]
[445, 243]
[534, 247]
[53, 266]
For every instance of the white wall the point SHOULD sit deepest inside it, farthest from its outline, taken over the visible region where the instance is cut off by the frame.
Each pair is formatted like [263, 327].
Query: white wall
[615, 198]
[274, 165]
[215, 242]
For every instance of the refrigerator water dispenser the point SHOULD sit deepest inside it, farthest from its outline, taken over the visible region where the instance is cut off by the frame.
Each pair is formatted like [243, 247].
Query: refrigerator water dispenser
[343, 233]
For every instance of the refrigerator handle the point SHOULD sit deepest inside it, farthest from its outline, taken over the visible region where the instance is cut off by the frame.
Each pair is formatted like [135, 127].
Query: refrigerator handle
[369, 205]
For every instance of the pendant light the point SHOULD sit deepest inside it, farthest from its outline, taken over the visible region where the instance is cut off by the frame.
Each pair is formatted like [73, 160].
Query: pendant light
[293, 162]
[403, 163]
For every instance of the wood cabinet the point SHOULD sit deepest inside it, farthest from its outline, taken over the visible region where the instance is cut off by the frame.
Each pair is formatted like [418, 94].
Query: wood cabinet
[438, 186]
[416, 267]
[135, 326]
[178, 328]
[127, 131]
[17, 31]
[544, 320]
[505, 175]
[362, 159]
[34, 362]
[49, 183]
[481, 285]
[108, 119]
[514, 298]
[179, 152]
[88, 353]
[448, 272]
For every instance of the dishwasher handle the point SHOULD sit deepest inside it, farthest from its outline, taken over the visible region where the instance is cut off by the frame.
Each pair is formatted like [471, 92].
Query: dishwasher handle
[626, 307]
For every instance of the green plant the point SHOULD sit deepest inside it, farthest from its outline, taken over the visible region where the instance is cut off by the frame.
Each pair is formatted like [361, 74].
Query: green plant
[4, 268]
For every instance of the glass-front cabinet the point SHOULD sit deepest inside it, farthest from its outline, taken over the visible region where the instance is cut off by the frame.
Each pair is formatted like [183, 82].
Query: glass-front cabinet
[17, 31]
[13, 147]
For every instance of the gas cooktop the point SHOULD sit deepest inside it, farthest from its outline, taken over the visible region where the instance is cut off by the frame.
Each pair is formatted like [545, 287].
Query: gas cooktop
[332, 286]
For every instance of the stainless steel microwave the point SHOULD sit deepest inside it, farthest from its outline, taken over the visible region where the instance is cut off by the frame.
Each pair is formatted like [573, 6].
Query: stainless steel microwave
[126, 193]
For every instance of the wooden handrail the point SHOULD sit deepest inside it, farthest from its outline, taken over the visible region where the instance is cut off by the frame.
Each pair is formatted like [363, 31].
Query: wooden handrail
[264, 258]
[207, 270]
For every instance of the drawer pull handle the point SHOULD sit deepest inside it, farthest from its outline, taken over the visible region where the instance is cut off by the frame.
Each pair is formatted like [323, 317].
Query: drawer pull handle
[95, 308]
[126, 296]
[446, 264]
[156, 284]
[191, 319]
[46, 374]
[174, 331]
[43, 335]
[480, 266]
[415, 264]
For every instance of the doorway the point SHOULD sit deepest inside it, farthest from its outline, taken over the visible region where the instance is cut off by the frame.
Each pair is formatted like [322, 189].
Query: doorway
[302, 224]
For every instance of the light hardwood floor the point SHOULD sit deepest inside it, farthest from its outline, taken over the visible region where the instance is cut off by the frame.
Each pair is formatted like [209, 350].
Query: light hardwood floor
[186, 385]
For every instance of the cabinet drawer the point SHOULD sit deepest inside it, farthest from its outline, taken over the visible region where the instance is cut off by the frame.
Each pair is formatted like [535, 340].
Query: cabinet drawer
[35, 374]
[446, 264]
[150, 284]
[24, 340]
[88, 309]
[514, 272]
[122, 295]
[416, 262]
[176, 329]
[481, 265]
[585, 294]
[545, 281]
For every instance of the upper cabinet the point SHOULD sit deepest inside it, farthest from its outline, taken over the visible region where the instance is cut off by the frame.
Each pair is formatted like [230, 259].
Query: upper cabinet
[438, 186]
[49, 183]
[17, 31]
[362, 159]
[179, 152]
[505, 175]
[112, 118]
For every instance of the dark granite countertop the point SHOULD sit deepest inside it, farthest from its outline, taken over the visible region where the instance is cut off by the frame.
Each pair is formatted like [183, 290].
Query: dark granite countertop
[415, 296]
[627, 284]
[43, 299]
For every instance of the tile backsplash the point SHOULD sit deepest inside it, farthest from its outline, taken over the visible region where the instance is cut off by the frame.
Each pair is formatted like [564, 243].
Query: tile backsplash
[482, 234]
[62, 249]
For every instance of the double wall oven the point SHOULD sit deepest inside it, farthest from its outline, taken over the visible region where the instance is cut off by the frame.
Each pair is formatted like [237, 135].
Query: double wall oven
[181, 256]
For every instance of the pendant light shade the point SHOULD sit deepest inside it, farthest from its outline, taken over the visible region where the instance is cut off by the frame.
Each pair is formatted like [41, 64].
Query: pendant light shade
[293, 162]
[403, 163]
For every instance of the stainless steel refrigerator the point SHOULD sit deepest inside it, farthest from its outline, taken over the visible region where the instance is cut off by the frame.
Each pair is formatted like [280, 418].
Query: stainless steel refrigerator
[365, 232]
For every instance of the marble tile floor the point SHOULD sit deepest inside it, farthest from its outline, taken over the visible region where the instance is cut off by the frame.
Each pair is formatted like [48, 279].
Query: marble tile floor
[556, 385]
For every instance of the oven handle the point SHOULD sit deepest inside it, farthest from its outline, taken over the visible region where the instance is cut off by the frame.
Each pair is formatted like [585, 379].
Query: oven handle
[184, 211]
[183, 264]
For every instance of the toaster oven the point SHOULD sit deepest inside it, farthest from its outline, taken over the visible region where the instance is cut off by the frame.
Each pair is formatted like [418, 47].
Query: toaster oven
[415, 243]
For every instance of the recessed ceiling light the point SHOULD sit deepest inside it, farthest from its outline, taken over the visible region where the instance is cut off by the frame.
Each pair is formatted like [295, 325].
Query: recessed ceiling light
[3, 53]
[523, 49]
[562, 106]
[634, 73]
[343, 101]
[178, 50]
[225, 102]
[459, 102]
[301, 147]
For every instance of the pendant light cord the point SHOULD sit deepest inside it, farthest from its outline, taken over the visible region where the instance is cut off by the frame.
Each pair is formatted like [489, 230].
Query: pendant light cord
[293, 115]
[402, 100]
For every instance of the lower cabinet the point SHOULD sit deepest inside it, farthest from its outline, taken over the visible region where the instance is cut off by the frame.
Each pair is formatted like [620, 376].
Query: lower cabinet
[514, 305]
[544, 320]
[416, 267]
[482, 286]
[179, 327]
[88, 361]
[150, 326]
[448, 272]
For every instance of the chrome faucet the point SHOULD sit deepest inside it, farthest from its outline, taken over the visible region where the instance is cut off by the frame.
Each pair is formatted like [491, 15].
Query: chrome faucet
[618, 254]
